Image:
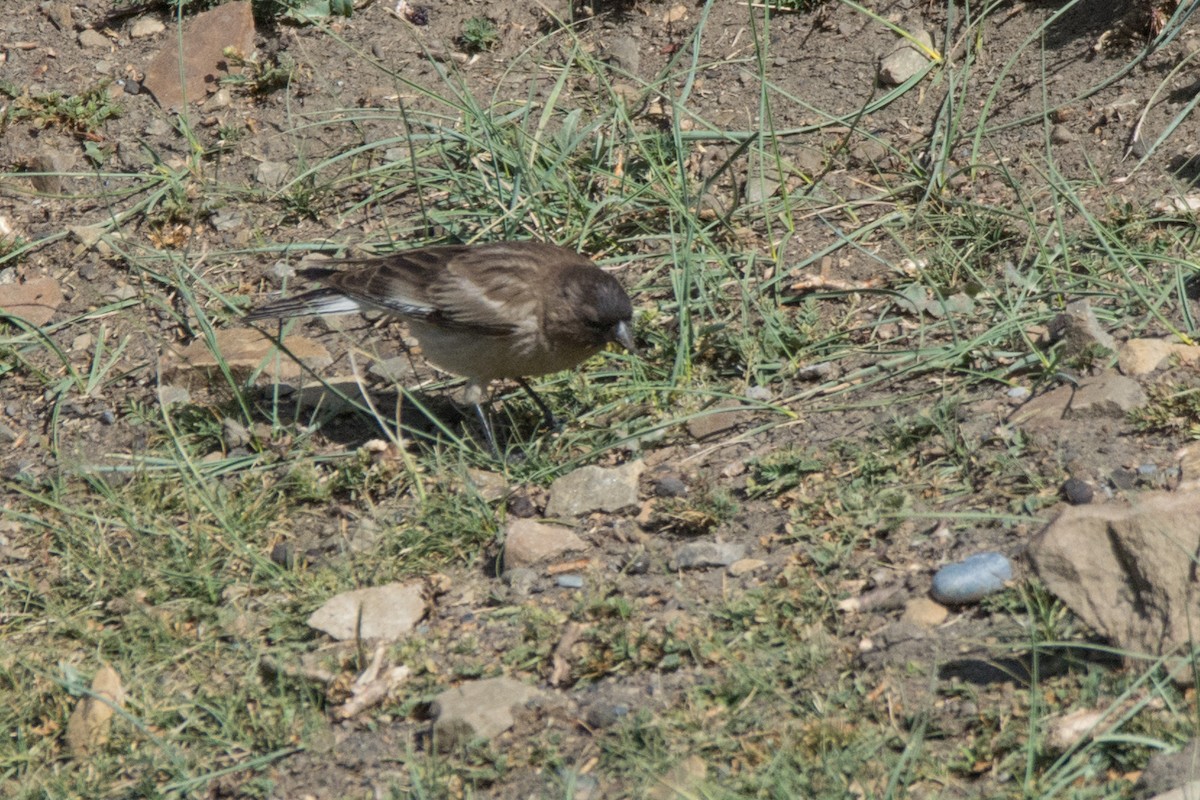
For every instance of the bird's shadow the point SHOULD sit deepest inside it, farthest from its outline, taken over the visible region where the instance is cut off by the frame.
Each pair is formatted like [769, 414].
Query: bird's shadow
[432, 418]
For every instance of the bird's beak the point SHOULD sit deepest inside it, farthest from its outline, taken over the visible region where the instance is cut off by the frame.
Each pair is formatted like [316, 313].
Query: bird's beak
[623, 335]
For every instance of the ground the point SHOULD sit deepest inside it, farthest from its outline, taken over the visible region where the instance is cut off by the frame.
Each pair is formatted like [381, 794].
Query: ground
[846, 293]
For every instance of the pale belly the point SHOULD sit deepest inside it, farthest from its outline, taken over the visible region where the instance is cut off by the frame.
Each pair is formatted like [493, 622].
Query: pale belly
[487, 358]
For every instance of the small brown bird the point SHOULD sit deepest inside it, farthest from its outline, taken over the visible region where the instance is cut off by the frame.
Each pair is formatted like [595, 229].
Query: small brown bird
[485, 312]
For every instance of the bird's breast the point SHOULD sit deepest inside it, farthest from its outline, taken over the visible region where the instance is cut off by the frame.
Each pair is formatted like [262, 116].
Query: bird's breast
[483, 358]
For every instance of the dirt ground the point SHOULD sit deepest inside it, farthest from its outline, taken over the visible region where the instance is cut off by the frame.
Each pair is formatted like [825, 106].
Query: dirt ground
[827, 60]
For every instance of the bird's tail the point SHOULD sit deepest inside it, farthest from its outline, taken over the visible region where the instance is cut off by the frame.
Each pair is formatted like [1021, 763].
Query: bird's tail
[319, 302]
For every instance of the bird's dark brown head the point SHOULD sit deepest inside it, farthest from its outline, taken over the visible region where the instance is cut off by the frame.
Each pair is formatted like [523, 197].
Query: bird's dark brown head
[593, 309]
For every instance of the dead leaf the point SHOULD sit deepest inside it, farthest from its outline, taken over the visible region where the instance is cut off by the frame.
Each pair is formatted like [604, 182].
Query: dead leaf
[88, 728]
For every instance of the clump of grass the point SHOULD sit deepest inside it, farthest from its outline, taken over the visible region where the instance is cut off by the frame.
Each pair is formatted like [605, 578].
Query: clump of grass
[1171, 408]
[478, 35]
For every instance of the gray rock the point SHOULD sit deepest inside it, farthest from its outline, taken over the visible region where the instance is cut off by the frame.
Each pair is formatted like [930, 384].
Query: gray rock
[1080, 331]
[591, 489]
[972, 579]
[381, 612]
[528, 542]
[697, 555]
[169, 395]
[906, 60]
[717, 420]
[271, 174]
[477, 710]
[1077, 492]
[624, 53]
[1109, 396]
[521, 580]
[54, 164]
[1126, 571]
[1167, 771]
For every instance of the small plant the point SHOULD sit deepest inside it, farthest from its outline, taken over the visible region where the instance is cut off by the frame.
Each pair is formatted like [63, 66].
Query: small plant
[478, 34]
[258, 77]
[81, 114]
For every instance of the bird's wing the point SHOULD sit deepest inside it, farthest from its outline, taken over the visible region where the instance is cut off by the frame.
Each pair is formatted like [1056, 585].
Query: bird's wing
[494, 289]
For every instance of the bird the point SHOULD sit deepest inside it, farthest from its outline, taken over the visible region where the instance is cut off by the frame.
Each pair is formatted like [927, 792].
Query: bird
[505, 310]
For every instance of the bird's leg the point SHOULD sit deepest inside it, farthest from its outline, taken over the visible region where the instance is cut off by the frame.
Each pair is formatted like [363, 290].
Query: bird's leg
[474, 396]
[486, 425]
[547, 415]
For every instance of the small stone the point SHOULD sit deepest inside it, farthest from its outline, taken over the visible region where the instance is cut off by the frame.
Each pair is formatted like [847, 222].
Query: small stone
[1061, 134]
[528, 542]
[744, 566]
[380, 612]
[60, 16]
[477, 710]
[144, 27]
[94, 40]
[924, 612]
[591, 489]
[906, 60]
[569, 581]
[637, 565]
[697, 555]
[720, 419]
[971, 579]
[602, 715]
[1080, 330]
[283, 554]
[82, 343]
[759, 394]
[394, 369]
[670, 486]
[219, 99]
[1123, 479]
[1077, 492]
[490, 486]
[169, 395]
[226, 221]
[624, 53]
[520, 580]
[272, 174]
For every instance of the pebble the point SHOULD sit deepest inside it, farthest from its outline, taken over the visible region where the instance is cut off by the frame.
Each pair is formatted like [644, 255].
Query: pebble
[1123, 478]
[1018, 393]
[521, 579]
[146, 26]
[637, 565]
[924, 612]
[759, 394]
[528, 542]
[283, 554]
[1077, 492]
[697, 555]
[971, 579]
[603, 715]
[569, 581]
[745, 566]
[94, 39]
[591, 489]
[670, 486]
